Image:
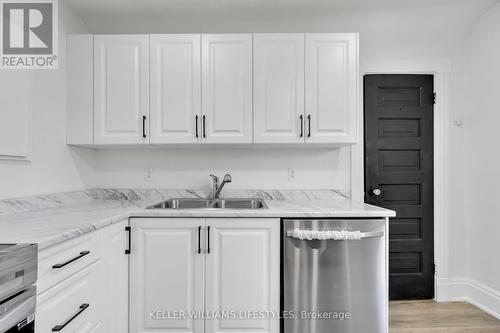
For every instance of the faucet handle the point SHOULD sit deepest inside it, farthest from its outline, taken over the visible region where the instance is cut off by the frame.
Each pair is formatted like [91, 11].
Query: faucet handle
[215, 185]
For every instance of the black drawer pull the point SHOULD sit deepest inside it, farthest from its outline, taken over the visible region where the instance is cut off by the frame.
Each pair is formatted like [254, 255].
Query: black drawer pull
[196, 126]
[82, 308]
[208, 239]
[204, 126]
[301, 126]
[309, 121]
[199, 239]
[144, 127]
[128, 230]
[81, 255]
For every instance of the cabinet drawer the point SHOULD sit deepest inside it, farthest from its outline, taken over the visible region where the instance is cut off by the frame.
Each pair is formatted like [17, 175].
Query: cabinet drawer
[73, 305]
[60, 262]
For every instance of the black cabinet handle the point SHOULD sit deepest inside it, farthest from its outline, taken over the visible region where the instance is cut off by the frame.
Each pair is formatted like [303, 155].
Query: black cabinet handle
[208, 239]
[309, 121]
[199, 239]
[144, 126]
[196, 126]
[81, 255]
[82, 308]
[301, 125]
[204, 126]
[129, 231]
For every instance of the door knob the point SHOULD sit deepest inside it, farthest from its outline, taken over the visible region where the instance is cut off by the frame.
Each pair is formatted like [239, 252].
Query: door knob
[376, 191]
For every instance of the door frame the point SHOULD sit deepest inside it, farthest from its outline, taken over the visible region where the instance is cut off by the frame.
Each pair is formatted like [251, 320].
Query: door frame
[440, 69]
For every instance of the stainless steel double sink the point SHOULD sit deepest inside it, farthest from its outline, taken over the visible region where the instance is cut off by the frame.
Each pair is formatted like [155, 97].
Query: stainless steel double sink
[193, 203]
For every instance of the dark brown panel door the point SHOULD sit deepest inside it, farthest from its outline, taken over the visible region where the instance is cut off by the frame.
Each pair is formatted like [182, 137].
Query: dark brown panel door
[399, 175]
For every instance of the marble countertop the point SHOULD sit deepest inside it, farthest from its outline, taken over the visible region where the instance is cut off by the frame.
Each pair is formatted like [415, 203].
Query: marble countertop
[53, 225]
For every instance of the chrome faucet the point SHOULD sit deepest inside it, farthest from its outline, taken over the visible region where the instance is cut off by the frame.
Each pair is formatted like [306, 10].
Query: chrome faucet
[216, 189]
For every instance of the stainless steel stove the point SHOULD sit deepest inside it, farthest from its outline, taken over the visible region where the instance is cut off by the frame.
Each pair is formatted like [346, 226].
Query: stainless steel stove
[18, 273]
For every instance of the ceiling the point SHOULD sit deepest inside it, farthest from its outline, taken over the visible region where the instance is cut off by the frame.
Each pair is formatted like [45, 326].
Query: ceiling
[150, 15]
[89, 6]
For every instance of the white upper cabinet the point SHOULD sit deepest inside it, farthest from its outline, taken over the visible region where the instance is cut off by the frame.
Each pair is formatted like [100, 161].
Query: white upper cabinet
[175, 88]
[121, 89]
[278, 88]
[211, 89]
[227, 88]
[331, 76]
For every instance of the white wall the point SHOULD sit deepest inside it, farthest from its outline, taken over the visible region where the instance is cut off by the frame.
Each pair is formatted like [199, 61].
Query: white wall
[54, 166]
[481, 152]
[457, 172]
[396, 33]
[251, 168]
[406, 32]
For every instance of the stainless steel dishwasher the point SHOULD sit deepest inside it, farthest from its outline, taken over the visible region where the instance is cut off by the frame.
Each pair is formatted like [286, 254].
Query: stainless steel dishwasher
[334, 276]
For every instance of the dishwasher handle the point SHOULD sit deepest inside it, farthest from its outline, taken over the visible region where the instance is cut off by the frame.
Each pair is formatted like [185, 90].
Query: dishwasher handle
[304, 234]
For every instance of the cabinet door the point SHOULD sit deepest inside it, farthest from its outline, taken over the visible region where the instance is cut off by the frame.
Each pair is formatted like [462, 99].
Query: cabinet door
[227, 88]
[115, 278]
[331, 76]
[76, 302]
[175, 88]
[166, 276]
[121, 89]
[243, 273]
[278, 88]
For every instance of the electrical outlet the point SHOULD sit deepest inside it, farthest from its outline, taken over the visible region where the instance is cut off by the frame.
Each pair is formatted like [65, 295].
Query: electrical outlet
[291, 174]
[148, 175]
[459, 122]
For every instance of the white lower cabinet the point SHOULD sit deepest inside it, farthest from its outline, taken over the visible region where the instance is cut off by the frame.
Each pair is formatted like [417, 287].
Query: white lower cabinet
[83, 284]
[186, 275]
[242, 275]
[166, 275]
[184, 268]
[73, 305]
[115, 278]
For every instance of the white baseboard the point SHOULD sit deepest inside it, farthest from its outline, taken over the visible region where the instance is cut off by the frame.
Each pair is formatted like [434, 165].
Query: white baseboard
[470, 291]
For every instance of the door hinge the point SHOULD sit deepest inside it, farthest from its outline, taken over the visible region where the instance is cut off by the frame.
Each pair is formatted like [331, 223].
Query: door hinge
[435, 268]
[129, 231]
[434, 98]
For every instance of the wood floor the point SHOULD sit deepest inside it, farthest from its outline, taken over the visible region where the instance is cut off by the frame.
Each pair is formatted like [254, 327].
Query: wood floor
[432, 317]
